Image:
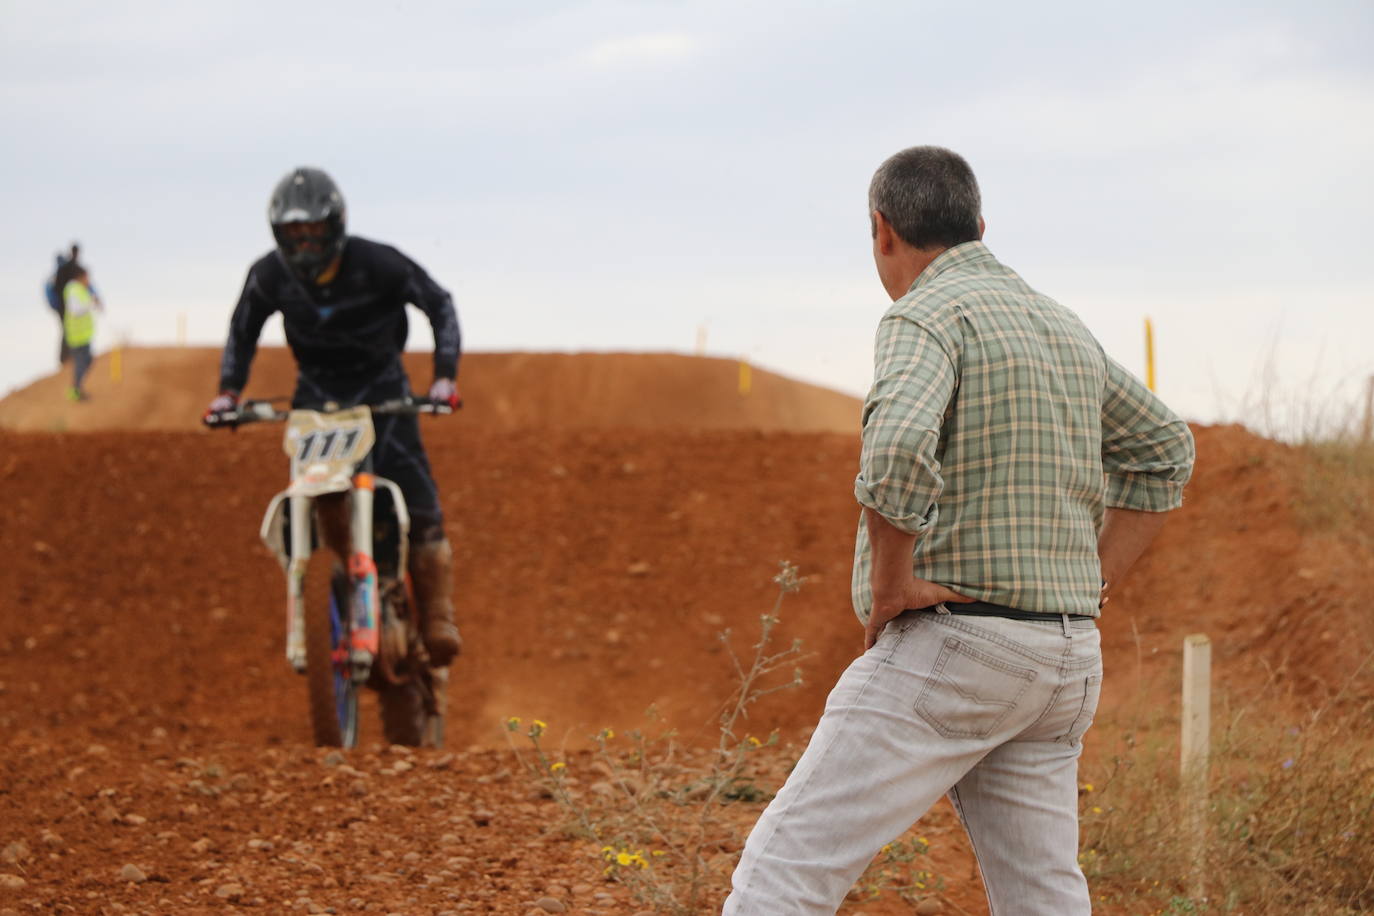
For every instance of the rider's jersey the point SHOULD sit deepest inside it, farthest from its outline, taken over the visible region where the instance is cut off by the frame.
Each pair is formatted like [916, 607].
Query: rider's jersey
[347, 335]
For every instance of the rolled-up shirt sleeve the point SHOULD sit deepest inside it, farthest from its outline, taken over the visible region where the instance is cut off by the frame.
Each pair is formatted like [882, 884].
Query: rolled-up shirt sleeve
[914, 382]
[1147, 451]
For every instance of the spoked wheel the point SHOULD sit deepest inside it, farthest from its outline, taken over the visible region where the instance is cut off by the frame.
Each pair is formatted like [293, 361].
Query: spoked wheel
[333, 693]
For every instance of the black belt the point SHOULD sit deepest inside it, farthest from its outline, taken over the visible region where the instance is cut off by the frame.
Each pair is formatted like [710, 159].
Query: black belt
[988, 609]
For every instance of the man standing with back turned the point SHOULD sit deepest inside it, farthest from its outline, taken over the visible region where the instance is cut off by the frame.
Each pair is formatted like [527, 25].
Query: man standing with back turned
[1010, 473]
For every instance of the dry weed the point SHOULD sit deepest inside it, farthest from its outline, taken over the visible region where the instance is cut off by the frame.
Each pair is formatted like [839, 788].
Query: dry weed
[1288, 814]
[656, 811]
[1337, 491]
[669, 822]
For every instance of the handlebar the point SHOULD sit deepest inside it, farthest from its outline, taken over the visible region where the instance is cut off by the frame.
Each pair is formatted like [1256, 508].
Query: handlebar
[266, 411]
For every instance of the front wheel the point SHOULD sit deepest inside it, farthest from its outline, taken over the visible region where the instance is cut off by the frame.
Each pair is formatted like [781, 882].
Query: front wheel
[333, 693]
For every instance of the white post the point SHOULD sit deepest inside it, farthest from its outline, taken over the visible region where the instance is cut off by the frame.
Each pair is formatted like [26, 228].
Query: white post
[1197, 706]
[1197, 724]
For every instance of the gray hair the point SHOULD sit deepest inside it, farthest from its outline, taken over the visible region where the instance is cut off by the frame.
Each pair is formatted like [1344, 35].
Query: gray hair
[930, 197]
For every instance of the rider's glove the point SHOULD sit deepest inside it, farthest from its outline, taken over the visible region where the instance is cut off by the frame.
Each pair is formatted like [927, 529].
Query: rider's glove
[445, 391]
[224, 402]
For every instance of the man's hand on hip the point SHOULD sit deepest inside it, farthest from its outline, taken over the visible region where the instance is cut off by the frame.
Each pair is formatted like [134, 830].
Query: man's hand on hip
[894, 587]
[914, 593]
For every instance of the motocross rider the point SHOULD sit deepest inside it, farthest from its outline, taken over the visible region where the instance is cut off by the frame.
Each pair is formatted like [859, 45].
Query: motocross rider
[343, 304]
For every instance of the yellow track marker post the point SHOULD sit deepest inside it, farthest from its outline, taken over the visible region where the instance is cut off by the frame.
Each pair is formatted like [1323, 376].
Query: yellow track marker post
[746, 378]
[117, 363]
[1149, 355]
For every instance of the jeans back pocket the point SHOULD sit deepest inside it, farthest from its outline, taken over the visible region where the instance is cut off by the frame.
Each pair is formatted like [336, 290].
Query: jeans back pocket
[1090, 693]
[970, 692]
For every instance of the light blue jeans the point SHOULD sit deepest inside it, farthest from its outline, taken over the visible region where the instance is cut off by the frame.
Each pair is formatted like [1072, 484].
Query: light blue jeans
[987, 709]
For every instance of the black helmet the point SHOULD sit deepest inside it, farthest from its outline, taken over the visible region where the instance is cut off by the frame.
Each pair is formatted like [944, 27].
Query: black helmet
[307, 196]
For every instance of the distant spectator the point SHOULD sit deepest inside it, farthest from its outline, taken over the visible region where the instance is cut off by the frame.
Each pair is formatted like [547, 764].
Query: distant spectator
[64, 272]
[52, 289]
[78, 321]
[68, 266]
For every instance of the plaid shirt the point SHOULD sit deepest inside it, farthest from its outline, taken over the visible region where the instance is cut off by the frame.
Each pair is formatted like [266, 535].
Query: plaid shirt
[997, 431]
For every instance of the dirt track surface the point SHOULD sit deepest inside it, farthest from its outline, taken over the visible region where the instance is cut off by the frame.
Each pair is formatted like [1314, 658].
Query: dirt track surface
[150, 720]
[168, 389]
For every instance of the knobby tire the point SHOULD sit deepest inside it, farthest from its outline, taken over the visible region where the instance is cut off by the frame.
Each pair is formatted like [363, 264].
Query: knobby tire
[333, 695]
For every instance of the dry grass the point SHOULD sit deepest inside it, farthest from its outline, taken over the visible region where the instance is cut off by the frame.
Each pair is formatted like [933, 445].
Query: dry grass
[1288, 816]
[1337, 490]
[1288, 813]
[1334, 431]
[659, 816]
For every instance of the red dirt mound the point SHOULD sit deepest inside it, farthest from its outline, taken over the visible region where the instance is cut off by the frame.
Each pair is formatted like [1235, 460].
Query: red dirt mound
[151, 720]
[168, 389]
[592, 572]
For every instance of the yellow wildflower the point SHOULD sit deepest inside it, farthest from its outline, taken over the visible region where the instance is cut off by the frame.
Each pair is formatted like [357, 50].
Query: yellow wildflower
[624, 858]
[537, 728]
[512, 723]
[555, 767]
[1096, 810]
[607, 734]
[753, 742]
[1087, 787]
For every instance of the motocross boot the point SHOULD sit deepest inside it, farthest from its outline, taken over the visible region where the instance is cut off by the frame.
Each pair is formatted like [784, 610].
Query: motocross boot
[431, 575]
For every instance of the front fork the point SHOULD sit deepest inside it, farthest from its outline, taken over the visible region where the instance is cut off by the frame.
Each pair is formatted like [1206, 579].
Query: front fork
[362, 574]
[362, 645]
[299, 555]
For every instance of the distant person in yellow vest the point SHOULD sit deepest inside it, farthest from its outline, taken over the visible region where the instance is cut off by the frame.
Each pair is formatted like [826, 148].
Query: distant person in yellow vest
[78, 321]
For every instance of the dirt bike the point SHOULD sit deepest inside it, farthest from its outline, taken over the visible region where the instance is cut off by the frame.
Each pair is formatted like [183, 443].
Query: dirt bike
[354, 626]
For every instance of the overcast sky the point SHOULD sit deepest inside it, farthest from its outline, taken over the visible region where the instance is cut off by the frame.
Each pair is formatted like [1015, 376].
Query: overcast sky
[615, 176]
